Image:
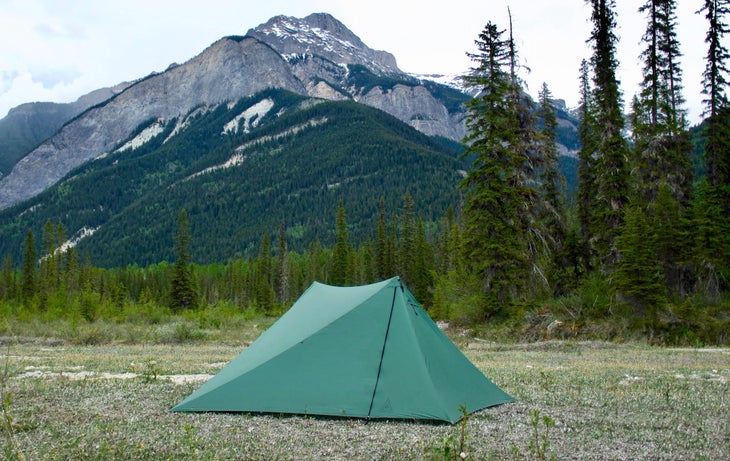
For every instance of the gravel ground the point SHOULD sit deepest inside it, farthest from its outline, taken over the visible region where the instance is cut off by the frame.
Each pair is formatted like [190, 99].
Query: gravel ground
[606, 401]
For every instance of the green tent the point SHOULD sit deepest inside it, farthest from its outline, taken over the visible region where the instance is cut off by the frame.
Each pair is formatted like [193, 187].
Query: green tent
[368, 351]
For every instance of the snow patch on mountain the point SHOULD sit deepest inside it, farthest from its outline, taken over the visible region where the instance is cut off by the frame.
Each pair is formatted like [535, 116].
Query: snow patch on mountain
[146, 134]
[455, 81]
[251, 117]
[184, 122]
[80, 235]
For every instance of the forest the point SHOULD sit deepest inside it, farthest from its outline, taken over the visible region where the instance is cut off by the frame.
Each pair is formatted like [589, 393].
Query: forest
[640, 251]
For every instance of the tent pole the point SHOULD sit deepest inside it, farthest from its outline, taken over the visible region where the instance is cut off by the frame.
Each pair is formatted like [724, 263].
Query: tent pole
[382, 352]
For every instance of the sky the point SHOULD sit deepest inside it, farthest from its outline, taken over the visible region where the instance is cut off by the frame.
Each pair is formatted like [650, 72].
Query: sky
[59, 50]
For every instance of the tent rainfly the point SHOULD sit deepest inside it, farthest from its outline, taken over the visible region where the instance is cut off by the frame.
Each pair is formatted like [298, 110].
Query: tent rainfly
[368, 351]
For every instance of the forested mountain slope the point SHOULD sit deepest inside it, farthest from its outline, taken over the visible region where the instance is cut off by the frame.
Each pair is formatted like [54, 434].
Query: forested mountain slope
[240, 170]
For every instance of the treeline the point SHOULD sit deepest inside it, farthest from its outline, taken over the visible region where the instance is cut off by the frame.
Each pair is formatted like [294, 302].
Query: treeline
[58, 284]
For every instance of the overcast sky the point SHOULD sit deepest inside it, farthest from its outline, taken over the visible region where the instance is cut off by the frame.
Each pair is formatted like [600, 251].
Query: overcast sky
[58, 50]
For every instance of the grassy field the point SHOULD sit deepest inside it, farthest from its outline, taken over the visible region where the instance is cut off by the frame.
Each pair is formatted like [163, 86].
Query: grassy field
[574, 400]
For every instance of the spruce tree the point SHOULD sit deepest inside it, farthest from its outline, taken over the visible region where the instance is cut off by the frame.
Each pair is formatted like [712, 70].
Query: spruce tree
[264, 290]
[588, 139]
[494, 235]
[661, 167]
[183, 293]
[341, 251]
[407, 241]
[638, 277]
[612, 174]
[552, 209]
[714, 88]
[382, 259]
[711, 245]
[715, 76]
[7, 279]
[661, 142]
[282, 265]
[423, 266]
[717, 130]
[29, 275]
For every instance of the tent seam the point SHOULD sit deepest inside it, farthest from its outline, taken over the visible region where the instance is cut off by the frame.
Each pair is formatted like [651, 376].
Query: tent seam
[382, 351]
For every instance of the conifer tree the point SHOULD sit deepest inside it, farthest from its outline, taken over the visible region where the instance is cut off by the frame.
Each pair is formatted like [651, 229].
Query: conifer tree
[714, 88]
[382, 265]
[341, 251]
[282, 265]
[7, 279]
[264, 289]
[588, 139]
[48, 262]
[611, 148]
[661, 143]
[183, 293]
[639, 276]
[29, 275]
[423, 266]
[552, 209]
[711, 228]
[494, 234]
[407, 241]
[715, 76]
[717, 134]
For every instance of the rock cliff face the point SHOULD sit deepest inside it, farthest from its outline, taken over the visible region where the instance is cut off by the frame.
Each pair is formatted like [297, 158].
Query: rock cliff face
[27, 125]
[416, 106]
[312, 56]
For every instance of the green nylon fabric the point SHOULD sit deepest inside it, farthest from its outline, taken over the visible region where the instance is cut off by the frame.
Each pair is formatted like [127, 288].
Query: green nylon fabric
[368, 352]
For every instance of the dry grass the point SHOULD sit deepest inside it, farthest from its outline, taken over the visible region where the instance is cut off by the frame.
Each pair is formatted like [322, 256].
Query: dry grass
[608, 402]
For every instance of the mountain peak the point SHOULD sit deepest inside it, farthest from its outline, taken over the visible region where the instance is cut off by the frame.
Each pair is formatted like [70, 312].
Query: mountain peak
[321, 34]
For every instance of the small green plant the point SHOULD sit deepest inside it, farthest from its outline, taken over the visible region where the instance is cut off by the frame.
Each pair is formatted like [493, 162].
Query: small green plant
[151, 371]
[540, 442]
[454, 445]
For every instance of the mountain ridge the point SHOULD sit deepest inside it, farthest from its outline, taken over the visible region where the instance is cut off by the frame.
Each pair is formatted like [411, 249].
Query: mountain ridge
[315, 57]
[289, 161]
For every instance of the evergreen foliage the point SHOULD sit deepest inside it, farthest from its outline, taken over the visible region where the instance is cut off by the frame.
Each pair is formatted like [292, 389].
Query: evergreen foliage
[552, 213]
[494, 237]
[715, 81]
[587, 155]
[611, 148]
[639, 275]
[661, 142]
[183, 294]
[341, 274]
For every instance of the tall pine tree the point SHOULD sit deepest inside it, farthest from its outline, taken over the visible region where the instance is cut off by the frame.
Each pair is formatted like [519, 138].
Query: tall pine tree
[552, 210]
[341, 274]
[661, 167]
[612, 174]
[661, 143]
[716, 197]
[588, 139]
[183, 292]
[496, 193]
[30, 272]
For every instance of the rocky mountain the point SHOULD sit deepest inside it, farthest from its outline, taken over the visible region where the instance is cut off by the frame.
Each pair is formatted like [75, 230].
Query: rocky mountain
[241, 169]
[315, 56]
[28, 125]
